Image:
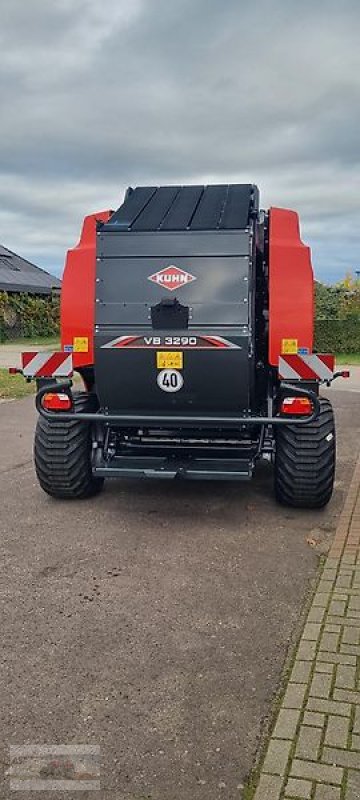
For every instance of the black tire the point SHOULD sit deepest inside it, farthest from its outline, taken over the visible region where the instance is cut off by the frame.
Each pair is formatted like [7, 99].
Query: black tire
[62, 453]
[305, 461]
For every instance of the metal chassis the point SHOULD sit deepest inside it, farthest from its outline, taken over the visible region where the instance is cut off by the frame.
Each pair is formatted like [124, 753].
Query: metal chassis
[177, 421]
[194, 465]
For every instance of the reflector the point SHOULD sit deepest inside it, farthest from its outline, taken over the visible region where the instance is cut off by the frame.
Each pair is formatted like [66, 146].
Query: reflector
[296, 405]
[54, 401]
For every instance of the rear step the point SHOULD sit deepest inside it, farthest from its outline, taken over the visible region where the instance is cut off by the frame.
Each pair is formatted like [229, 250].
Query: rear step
[161, 467]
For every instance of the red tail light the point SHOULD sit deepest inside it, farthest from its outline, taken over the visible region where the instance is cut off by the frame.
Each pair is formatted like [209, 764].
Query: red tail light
[296, 405]
[56, 402]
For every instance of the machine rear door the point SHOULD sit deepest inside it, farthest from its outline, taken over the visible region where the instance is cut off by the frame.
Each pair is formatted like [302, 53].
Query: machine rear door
[172, 326]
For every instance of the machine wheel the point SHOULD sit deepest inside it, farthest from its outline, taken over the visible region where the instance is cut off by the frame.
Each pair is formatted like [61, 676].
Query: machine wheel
[62, 452]
[305, 461]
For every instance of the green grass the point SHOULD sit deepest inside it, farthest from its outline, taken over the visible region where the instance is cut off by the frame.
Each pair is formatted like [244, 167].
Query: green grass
[14, 386]
[348, 358]
[52, 341]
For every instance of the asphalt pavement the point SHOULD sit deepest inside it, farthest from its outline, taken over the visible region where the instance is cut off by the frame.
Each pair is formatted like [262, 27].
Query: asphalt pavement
[155, 619]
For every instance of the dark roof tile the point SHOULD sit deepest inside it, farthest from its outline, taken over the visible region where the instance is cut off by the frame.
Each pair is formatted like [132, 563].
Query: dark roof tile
[19, 275]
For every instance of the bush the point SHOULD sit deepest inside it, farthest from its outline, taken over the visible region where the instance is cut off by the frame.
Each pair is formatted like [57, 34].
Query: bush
[337, 335]
[28, 316]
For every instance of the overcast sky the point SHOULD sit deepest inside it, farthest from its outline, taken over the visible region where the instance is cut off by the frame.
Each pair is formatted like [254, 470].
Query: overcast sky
[96, 96]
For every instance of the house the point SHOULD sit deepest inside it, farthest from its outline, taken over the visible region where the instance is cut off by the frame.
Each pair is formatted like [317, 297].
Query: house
[19, 275]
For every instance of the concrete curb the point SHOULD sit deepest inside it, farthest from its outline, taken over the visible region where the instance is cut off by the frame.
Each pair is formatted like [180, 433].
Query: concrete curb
[314, 750]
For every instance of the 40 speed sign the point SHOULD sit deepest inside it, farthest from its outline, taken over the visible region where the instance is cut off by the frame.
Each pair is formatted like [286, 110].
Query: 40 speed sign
[170, 380]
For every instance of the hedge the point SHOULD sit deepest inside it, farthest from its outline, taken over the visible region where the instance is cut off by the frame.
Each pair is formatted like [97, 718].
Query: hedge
[28, 316]
[337, 335]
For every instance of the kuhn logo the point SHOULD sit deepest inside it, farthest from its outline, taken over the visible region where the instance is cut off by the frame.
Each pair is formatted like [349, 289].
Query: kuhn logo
[171, 278]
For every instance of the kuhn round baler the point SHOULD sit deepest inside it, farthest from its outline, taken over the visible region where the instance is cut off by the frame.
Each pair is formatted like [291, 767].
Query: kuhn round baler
[188, 313]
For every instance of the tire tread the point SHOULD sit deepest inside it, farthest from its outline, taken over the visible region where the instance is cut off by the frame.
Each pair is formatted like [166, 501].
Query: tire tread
[62, 454]
[305, 461]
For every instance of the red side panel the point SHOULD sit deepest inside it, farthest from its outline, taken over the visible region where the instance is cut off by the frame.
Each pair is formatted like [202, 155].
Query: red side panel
[78, 294]
[291, 287]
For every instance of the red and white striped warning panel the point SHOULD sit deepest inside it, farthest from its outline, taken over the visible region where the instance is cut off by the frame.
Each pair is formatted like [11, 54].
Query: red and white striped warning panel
[47, 365]
[309, 367]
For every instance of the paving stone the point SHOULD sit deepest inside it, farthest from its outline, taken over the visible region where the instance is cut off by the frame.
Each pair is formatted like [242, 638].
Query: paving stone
[320, 686]
[354, 603]
[337, 607]
[277, 756]
[321, 599]
[329, 641]
[316, 772]
[340, 622]
[332, 562]
[341, 758]
[348, 558]
[314, 718]
[329, 574]
[323, 792]
[286, 723]
[356, 727]
[346, 569]
[294, 695]
[326, 669]
[301, 672]
[353, 786]
[351, 635]
[295, 787]
[337, 731]
[316, 614]
[350, 649]
[347, 697]
[343, 582]
[332, 628]
[325, 587]
[328, 707]
[269, 788]
[352, 621]
[326, 663]
[311, 631]
[345, 677]
[306, 651]
[308, 743]
[352, 615]
[336, 658]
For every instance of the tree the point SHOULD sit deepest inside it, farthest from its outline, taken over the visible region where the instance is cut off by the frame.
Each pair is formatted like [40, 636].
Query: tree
[350, 297]
[341, 301]
[327, 301]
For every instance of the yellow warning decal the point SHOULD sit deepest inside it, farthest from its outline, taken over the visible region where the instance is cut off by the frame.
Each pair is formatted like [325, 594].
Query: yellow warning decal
[81, 344]
[289, 347]
[169, 360]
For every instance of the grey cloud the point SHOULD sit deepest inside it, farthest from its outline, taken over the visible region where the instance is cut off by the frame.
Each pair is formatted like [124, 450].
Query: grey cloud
[97, 96]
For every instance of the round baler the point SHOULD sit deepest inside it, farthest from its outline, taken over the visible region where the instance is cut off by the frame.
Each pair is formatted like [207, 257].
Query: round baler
[188, 313]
